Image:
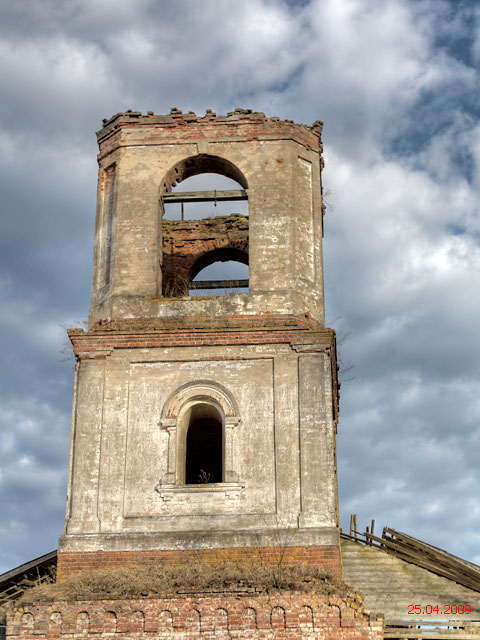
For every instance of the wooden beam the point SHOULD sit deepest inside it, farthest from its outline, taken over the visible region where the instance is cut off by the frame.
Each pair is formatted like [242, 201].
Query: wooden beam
[424, 556]
[219, 284]
[205, 196]
[353, 525]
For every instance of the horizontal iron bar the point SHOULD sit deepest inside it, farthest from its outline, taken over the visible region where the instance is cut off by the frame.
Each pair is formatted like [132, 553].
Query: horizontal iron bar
[219, 284]
[206, 196]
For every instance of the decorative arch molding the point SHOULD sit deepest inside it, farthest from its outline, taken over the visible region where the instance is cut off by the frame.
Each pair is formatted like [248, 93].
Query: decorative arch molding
[209, 391]
[201, 163]
[174, 419]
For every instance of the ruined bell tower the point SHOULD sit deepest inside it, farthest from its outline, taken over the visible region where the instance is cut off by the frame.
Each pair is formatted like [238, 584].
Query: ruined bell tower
[205, 424]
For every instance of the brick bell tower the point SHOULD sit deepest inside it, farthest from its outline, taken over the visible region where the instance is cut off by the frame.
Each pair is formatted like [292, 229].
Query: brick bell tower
[204, 425]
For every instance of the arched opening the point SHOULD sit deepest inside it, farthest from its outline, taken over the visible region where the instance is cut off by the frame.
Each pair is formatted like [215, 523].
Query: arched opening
[204, 445]
[203, 186]
[202, 163]
[227, 268]
[205, 195]
[204, 208]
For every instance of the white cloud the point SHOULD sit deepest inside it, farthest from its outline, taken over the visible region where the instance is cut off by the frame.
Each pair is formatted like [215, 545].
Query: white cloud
[402, 145]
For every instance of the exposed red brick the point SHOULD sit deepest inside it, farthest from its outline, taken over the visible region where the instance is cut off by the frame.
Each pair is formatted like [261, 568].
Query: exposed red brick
[230, 614]
[187, 245]
[327, 557]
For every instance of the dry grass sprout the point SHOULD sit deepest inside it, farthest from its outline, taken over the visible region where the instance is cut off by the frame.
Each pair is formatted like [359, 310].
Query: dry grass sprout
[156, 580]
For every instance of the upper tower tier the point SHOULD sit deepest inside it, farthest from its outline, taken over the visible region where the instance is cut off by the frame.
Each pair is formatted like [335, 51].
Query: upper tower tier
[144, 264]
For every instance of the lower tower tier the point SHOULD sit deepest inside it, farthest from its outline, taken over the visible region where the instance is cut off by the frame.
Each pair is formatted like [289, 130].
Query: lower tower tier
[207, 437]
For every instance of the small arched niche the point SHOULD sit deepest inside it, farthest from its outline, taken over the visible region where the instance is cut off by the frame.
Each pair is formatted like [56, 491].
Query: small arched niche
[204, 446]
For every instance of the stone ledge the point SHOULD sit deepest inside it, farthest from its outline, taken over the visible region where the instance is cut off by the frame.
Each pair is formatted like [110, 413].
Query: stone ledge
[259, 321]
[229, 489]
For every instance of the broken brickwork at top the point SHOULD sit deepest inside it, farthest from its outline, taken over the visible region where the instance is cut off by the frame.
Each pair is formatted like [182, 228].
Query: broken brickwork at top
[177, 117]
[177, 114]
[243, 123]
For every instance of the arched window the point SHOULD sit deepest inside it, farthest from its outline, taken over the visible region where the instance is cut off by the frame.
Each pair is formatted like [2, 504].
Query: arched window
[205, 225]
[220, 267]
[199, 418]
[204, 446]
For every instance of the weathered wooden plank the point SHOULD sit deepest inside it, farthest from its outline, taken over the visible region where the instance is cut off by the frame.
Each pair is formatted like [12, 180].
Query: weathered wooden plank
[471, 584]
[428, 548]
[438, 556]
[206, 196]
[429, 629]
[427, 561]
[424, 557]
[219, 284]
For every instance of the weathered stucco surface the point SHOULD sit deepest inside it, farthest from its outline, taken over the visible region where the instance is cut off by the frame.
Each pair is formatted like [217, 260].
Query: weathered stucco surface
[278, 163]
[262, 361]
[119, 470]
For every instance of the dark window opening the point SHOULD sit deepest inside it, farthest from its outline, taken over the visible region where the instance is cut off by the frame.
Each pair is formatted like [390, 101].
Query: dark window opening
[204, 451]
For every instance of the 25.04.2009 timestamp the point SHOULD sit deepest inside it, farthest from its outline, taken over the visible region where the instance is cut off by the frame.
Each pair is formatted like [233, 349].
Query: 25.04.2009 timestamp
[440, 610]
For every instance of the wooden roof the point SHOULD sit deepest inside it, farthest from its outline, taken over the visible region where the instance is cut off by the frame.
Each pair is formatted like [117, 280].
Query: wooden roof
[15, 582]
[397, 572]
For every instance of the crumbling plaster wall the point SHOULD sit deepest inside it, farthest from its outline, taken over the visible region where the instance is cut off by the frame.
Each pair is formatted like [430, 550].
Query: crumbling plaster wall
[122, 451]
[281, 164]
[266, 351]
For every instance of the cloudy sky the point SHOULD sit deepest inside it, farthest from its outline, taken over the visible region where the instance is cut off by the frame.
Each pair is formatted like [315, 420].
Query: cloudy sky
[397, 84]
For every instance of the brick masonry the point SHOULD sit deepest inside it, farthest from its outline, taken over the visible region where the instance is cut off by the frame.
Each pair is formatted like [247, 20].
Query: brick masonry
[178, 127]
[155, 361]
[230, 614]
[191, 245]
[327, 557]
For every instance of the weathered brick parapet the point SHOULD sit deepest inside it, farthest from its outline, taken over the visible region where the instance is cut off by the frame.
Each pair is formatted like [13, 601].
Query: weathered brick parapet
[175, 126]
[99, 344]
[233, 614]
[325, 557]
